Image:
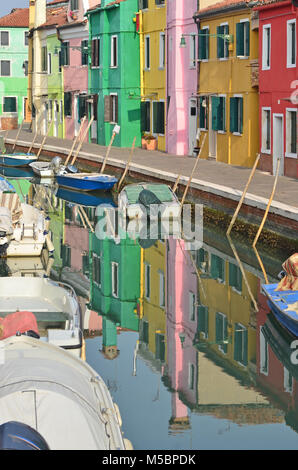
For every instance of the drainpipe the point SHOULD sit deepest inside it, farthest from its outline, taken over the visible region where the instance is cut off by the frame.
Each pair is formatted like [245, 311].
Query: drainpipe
[141, 33]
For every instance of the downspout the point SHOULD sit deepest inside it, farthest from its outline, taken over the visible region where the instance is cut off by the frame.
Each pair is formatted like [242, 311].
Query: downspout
[141, 33]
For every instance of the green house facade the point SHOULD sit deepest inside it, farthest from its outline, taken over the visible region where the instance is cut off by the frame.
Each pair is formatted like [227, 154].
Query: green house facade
[114, 71]
[14, 66]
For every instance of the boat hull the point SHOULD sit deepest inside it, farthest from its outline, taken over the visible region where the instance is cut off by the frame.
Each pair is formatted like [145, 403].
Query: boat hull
[42, 169]
[84, 199]
[86, 184]
[17, 159]
[280, 303]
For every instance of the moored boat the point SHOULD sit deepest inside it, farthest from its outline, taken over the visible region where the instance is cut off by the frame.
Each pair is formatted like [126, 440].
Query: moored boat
[151, 200]
[17, 159]
[86, 181]
[42, 169]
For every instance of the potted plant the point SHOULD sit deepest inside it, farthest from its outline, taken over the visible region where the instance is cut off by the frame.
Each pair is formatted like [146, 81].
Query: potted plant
[149, 142]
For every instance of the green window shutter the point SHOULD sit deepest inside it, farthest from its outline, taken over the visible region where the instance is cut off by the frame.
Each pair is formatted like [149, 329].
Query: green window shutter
[202, 113]
[203, 319]
[220, 42]
[246, 32]
[225, 346]
[233, 115]
[218, 327]
[221, 114]
[214, 266]
[226, 43]
[240, 344]
[10, 105]
[215, 102]
[232, 275]
[240, 115]
[203, 44]
[240, 39]
[160, 346]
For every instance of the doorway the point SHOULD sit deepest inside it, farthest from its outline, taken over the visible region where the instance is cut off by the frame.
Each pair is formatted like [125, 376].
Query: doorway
[278, 143]
[192, 125]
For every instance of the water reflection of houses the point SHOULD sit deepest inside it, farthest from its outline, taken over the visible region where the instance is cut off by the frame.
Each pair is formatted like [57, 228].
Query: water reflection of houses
[114, 286]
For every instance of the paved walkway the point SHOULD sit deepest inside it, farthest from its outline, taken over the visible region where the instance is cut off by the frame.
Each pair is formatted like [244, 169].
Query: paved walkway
[210, 175]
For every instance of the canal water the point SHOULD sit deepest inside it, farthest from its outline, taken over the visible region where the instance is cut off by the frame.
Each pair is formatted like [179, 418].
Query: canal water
[180, 332]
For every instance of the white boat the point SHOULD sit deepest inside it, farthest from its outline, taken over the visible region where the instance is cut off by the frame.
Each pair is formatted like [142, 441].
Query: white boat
[51, 400]
[23, 228]
[151, 200]
[54, 305]
[43, 169]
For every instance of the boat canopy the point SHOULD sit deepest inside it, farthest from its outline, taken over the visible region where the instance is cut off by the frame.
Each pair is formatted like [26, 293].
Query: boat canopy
[161, 191]
[12, 202]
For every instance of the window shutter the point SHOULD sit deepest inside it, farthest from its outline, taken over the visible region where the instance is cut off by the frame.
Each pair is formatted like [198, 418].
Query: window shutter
[203, 44]
[95, 106]
[220, 42]
[107, 108]
[215, 103]
[225, 337]
[241, 115]
[160, 346]
[247, 38]
[233, 114]
[116, 108]
[218, 327]
[240, 39]
[203, 319]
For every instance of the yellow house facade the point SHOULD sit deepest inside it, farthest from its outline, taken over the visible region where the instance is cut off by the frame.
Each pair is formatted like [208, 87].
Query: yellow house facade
[228, 84]
[152, 20]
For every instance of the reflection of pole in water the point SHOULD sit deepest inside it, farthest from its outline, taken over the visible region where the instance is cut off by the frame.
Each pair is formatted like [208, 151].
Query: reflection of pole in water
[134, 372]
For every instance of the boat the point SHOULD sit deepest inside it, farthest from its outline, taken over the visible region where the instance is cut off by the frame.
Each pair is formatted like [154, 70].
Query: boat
[42, 169]
[54, 306]
[17, 159]
[282, 297]
[16, 172]
[23, 228]
[151, 200]
[51, 400]
[84, 198]
[86, 181]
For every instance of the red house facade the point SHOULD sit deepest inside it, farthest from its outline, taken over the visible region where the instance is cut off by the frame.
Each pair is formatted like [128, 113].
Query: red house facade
[278, 86]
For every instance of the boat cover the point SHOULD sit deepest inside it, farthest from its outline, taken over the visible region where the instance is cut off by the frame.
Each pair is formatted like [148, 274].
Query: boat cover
[161, 191]
[65, 399]
[5, 221]
[18, 322]
[12, 202]
[290, 281]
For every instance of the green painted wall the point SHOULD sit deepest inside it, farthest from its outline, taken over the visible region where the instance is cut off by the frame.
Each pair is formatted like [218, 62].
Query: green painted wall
[17, 83]
[55, 87]
[123, 80]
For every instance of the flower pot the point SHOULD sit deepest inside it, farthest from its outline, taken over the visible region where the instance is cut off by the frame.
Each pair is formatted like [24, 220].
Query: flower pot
[151, 144]
[144, 143]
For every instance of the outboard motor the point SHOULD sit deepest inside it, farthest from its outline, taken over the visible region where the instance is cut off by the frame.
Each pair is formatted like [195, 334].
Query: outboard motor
[149, 202]
[20, 436]
[56, 164]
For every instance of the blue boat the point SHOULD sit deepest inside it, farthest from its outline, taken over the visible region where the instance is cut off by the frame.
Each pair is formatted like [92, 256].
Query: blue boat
[84, 199]
[16, 172]
[17, 159]
[284, 305]
[86, 181]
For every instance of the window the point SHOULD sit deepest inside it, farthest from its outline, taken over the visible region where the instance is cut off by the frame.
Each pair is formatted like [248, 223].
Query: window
[147, 281]
[114, 51]
[242, 39]
[162, 50]
[49, 63]
[192, 306]
[266, 44]
[192, 51]
[115, 280]
[159, 2]
[82, 103]
[111, 108]
[203, 260]
[85, 264]
[235, 277]
[236, 115]
[25, 67]
[96, 269]
[66, 255]
[158, 117]
[147, 52]
[291, 132]
[218, 106]
[222, 44]
[264, 356]
[144, 331]
[191, 376]
[26, 38]
[4, 38]
[221, 332]
[9, 104]
[65, 53]
[240, 344]
[291, 43]
[44, 59]
[5, 68]
[74, 4]
[217, 270]
[145, 116]
[68, 104]
[203, 320]
[159, 346]
[204, 43]
[288, 381]
[203, 112]
[143, 4]
[84, 52]
[266, 130]
[95, 49]
[161, 289]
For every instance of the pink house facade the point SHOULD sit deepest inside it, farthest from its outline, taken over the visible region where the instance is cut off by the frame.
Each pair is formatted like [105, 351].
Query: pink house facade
[181, 78]
[76, 100]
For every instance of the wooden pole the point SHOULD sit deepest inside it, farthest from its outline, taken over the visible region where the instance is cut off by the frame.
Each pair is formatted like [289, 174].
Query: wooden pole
[127, 164]
[6, 134]
[81, 217]
[268, 205]
[176, 183]
[75, 142]
[243, 194]
[86, 219]
[82, 141]
[33, 141]
[45, 137]
[193, 170]
[18, 133]
[108, 152]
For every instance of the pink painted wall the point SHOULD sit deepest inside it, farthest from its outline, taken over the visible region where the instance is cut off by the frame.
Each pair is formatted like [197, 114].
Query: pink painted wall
[181, 279]
[77, 237]
[181, 78]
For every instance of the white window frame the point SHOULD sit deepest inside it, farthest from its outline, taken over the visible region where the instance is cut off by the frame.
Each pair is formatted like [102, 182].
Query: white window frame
[289, 43]
[225, 57]
[245, 56]
[115, 289]
[208, 38]
[225, 114]
[243, 328]
[162, 51]
[147, 52]
[114, 58]
[113, 114]
[264, 130]
[239, 96]
[192, 51]
[5, 31]
[288, 152]
[266, 54]
[147, 268]
[220, 346]
[10, 96]
[49, 63]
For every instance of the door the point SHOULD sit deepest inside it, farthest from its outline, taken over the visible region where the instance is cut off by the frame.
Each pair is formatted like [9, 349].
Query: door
[76, 115]
[192, 125]
[56, 118]
[93, 112]
[212, 134]
[278, 144]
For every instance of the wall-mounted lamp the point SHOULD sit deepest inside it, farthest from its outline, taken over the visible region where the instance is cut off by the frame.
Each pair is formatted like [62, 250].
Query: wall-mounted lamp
[226, 37]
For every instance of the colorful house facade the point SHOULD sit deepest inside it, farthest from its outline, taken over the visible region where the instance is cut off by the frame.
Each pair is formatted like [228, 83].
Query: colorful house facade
[14, 29]
[278, 86]
[114, 81]
[228, 84]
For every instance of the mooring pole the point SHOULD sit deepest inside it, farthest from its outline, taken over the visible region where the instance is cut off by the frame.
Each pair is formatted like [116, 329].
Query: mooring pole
[193, 170]
[82, 141]
[45, 138]
[127, 164]
[18, 133]
[74, 142]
